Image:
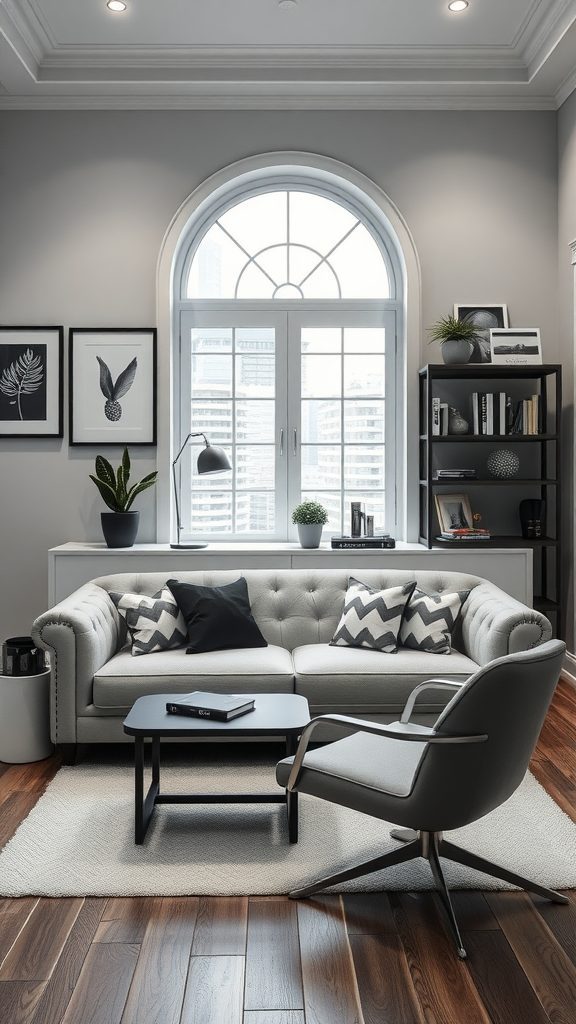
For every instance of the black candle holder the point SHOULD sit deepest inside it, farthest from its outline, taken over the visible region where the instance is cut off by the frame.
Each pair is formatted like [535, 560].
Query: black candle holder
[532, 518]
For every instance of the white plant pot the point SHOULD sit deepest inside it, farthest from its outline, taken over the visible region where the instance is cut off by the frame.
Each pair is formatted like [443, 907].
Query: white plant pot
[310, 534]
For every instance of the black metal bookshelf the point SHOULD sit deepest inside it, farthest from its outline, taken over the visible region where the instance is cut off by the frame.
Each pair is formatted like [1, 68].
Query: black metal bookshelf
[496, 500]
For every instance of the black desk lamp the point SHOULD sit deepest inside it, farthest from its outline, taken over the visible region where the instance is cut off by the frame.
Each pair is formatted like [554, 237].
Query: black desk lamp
[211, 459]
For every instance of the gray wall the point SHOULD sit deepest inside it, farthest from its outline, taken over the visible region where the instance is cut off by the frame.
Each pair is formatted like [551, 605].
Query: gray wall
[86, 198]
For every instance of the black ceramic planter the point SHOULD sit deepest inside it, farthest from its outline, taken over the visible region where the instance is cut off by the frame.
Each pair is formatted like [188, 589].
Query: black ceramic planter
[120, 528]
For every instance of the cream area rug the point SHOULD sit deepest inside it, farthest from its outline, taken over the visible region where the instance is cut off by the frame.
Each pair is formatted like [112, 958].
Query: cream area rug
[79, 839]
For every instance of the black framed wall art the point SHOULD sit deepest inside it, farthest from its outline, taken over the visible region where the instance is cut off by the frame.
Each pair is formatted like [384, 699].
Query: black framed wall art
[31, 377]
[112, 386]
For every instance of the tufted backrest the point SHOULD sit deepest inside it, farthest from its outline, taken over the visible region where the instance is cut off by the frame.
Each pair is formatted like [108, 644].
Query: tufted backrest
[293, 607]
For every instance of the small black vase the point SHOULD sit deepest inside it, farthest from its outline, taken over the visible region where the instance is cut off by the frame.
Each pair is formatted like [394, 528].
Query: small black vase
[119, 528]
[532, 518]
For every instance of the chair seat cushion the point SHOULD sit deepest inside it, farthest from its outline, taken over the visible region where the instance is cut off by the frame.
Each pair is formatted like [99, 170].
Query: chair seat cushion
[373, 762]
[250, 670]
[356, 681]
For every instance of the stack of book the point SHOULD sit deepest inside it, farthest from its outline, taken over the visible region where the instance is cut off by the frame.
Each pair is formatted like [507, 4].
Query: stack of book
[455, 474]
[439, 416]
[464, 535]
[526, 416]
[380, 540]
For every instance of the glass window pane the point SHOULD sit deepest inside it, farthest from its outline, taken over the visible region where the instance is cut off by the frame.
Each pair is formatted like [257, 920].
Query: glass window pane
[317, 221]
[253, 283]
[302, 262]
[216, 266]
[364, 420]
[321, 376]
[322, 284]
[211, 339]
[363, 467]
[255, 512]
[258, 222]
[254, 466]
[211, 375]
[274, 262]
[255, 421]
[321, 339]
[255, 339]
[321, 421]
[321, 466]
[360, 268]
[215, 419]
[255, 373]
[364, 339]
[211, 512]
[363, 375]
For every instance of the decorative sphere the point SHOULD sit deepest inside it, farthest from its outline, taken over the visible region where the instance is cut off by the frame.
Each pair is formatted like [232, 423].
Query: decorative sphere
[503, 463]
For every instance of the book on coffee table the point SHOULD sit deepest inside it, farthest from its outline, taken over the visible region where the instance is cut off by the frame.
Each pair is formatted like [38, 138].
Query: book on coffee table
[222, 706]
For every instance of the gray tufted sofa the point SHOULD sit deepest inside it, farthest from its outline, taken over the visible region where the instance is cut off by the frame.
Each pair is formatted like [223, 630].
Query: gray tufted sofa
[95, 679]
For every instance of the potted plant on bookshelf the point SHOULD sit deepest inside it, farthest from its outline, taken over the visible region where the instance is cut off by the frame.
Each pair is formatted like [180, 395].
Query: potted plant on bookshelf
[120, 526]
[456, 338]
[310, 517]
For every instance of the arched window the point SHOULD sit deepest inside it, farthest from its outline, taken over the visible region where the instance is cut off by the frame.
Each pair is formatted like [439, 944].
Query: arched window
[287, 316]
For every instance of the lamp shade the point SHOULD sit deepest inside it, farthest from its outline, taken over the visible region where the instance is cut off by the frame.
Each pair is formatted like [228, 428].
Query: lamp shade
[213, 459]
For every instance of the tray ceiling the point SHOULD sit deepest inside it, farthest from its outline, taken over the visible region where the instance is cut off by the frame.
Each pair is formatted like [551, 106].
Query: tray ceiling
[319, 54]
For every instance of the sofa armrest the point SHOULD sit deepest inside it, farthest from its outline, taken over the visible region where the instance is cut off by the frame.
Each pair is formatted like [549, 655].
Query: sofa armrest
[81, 634]
[495, 624]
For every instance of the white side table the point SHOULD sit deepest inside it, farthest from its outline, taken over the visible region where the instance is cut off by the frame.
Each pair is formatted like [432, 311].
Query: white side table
[25, 718]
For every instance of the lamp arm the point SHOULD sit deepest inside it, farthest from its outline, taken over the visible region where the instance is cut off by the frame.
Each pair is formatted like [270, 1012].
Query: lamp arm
[175, 480]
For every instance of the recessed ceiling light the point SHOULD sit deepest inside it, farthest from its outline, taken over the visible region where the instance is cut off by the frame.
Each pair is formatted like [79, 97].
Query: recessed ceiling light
[116, 5]
[458, 5]
[287, 5]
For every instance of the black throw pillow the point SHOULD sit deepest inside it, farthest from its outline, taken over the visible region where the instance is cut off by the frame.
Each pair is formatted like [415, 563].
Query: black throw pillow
[217, 618]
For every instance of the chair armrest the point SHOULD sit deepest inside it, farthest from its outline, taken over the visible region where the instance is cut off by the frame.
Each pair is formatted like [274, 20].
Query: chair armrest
[344, 721]
[439, 684]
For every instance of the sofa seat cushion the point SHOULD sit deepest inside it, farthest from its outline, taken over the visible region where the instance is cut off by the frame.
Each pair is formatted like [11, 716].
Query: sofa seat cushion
[356, 680]
[252, 670]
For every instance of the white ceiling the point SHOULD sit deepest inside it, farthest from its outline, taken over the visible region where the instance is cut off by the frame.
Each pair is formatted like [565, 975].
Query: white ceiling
[321, 54]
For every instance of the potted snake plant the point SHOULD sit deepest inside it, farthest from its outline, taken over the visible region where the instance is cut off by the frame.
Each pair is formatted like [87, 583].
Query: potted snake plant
[120, 525]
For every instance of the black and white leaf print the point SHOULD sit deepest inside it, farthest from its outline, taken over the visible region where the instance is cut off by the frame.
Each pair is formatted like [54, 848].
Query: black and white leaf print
[113, 391]
[23, 377]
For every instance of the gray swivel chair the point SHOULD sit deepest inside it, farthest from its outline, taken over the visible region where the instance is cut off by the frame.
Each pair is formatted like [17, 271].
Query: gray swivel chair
[432, 780]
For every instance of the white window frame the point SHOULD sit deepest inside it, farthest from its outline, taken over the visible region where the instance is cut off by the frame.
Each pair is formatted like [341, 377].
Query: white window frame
[232, 182]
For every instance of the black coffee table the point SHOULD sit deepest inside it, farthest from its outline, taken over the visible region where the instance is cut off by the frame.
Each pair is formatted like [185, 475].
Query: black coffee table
[275, 714]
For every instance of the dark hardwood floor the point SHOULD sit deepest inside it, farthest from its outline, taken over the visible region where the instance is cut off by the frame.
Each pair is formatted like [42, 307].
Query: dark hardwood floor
[381, 958]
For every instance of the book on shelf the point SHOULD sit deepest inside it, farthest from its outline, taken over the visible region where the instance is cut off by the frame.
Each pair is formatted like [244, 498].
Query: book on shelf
[464, 535]
[456, 474]
[435, 416]
[380, 540]
[490, 412]
[219, 706]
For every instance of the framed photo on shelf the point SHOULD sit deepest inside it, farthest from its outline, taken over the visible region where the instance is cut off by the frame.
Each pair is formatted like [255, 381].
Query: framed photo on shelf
[31, 377]
[487, 317]
[516, 346]
[112, 376]
[454, 512]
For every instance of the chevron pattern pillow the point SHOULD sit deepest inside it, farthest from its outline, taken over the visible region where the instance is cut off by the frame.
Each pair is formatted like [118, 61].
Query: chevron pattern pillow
[154, 623]
[429, 621]
[372, 618]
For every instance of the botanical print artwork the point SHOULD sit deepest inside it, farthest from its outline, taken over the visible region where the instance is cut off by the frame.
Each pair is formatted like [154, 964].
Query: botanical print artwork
[23, 382]
[112, 392]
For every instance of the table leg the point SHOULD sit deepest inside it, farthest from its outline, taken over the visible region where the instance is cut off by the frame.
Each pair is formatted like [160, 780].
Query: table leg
[144, 806]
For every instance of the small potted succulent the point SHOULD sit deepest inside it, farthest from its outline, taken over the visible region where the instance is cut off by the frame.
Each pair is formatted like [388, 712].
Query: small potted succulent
[456, 338]
[310, 517]
[120, 526]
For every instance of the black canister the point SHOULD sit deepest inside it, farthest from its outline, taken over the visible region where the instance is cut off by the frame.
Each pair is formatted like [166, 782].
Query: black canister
[21, 657]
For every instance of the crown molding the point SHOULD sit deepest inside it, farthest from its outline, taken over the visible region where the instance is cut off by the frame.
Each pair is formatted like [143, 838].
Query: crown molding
[237, 97]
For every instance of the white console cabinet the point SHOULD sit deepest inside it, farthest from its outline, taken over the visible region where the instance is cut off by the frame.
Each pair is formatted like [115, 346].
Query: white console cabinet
[72, 564]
